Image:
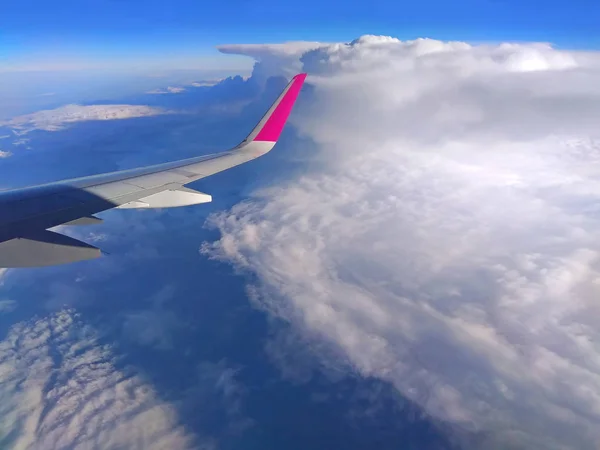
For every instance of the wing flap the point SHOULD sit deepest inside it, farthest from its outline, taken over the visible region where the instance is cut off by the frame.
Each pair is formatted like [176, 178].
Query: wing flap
[44, 248]
[170, 198]
[85, 220]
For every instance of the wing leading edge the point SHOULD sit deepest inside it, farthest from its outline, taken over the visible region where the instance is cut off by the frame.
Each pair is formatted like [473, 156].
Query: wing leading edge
[26, 214]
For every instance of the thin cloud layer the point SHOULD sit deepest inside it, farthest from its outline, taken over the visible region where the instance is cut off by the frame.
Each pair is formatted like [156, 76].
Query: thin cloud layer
[168, 90]
[446, 238]
[61, 388]
[57, 119]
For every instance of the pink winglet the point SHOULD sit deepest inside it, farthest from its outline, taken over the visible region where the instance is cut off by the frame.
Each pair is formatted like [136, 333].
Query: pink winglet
[274, 124]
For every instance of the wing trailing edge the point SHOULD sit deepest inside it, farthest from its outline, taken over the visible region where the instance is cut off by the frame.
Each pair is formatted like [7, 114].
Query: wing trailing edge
[45, 248]
[85, 220]
[171, 198]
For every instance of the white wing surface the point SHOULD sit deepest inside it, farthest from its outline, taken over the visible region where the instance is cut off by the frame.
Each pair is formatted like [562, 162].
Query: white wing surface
[27, 213]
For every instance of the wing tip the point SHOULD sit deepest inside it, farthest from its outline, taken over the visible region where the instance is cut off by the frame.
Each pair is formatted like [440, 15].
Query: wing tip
[276, 120]
[300, 76]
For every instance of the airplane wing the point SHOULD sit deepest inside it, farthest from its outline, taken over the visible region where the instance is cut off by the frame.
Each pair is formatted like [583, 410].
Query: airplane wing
[27, 213]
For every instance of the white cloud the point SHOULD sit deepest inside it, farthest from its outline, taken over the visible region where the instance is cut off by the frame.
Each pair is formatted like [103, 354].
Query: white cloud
[446, 237]
[168, 90]
[206, 83]
[57, 119]
[61, 388]
[292, 50]
[7, 306]
[4, 154]
[275, 59]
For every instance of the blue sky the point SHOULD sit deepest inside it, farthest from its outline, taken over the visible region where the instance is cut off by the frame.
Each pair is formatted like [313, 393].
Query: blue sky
[113, 34]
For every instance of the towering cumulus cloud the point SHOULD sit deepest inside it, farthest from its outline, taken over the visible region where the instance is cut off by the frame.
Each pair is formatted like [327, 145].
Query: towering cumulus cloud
[447, 236]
